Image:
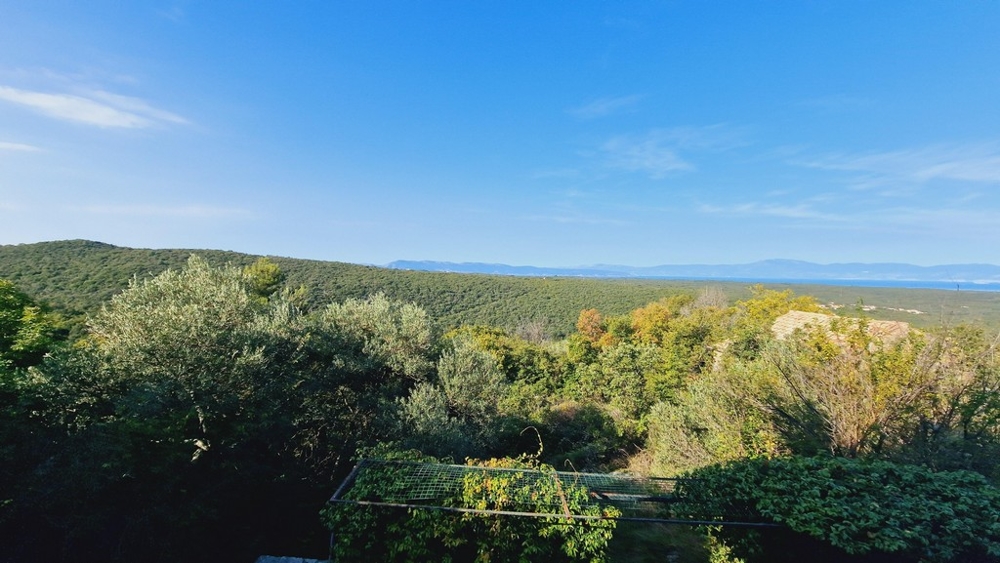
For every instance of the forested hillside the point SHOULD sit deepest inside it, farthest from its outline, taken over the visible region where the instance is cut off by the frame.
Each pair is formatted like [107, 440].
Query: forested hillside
[77, 277]
[206, 412]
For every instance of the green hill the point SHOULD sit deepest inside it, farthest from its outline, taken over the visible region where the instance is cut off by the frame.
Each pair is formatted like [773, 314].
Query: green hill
[75, 277]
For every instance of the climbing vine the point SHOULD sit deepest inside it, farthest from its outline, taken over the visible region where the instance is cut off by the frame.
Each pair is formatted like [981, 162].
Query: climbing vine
[411, 535]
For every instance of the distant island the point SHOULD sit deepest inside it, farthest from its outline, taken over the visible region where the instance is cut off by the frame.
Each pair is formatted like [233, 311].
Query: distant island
[970, 276]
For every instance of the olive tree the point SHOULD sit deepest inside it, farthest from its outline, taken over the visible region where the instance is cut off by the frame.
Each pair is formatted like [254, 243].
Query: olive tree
[195, 406]
[460, 415]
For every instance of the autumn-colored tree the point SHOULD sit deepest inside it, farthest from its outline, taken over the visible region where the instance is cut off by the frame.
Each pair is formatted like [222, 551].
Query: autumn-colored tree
[591, 325]
[652, 322]
[751, 319]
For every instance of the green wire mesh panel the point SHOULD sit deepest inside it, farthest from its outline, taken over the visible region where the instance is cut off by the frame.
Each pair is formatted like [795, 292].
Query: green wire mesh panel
[522, 492]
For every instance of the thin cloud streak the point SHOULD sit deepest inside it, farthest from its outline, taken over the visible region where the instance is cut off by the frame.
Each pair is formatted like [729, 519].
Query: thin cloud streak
[650, 154]
[20, 147]
[800, 211]
[970, 163]
[943, 221]
[565, 219]
[978, 220]
[555, 173]
[174, 13]
[603, 107]
[101, 109]
[657, 153]
[138, 106]
[189, 211]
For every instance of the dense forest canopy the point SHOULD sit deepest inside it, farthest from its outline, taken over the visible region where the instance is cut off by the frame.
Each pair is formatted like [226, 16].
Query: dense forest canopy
[77, 277]
[206, 409]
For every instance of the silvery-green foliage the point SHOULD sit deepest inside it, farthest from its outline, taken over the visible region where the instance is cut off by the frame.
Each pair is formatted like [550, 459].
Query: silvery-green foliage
[394, 334]
[459, 415]
[191, 340]
[472, 381]
[427, 424]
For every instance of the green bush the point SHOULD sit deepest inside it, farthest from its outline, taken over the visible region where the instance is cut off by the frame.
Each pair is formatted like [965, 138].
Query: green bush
[853, 508]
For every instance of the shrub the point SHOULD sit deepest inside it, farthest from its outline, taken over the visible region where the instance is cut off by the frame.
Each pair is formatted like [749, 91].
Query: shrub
[856, 508]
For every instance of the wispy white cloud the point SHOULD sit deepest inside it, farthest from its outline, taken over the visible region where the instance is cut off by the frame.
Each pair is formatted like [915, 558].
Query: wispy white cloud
[184, 211]
[979, 220]
[602, 107]
[944, 222]
[138, 107]
[174, 13]
[575, 219]
[97, 107]
[5, 146]
[555, 173]
[576, 193]
[968, 197]
[793, 211]
[971, 163]
[657, 153]
[647, 155]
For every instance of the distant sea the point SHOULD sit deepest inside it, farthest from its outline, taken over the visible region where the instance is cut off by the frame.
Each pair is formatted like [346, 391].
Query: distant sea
[903, 284]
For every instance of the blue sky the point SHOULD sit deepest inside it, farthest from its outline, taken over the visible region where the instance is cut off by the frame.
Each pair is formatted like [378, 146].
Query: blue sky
[542, 133]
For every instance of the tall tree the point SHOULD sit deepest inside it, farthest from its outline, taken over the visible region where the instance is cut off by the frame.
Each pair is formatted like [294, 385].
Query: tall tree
[27, 332]
[265, 277]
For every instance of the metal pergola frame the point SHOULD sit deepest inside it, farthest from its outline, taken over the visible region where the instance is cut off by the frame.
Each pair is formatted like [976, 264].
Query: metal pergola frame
[639, 499]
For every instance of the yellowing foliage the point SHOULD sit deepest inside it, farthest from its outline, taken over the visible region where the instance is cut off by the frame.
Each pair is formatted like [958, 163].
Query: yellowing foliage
[591, 325]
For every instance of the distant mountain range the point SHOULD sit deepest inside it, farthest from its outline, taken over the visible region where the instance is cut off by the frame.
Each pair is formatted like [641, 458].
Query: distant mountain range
[796, 270]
